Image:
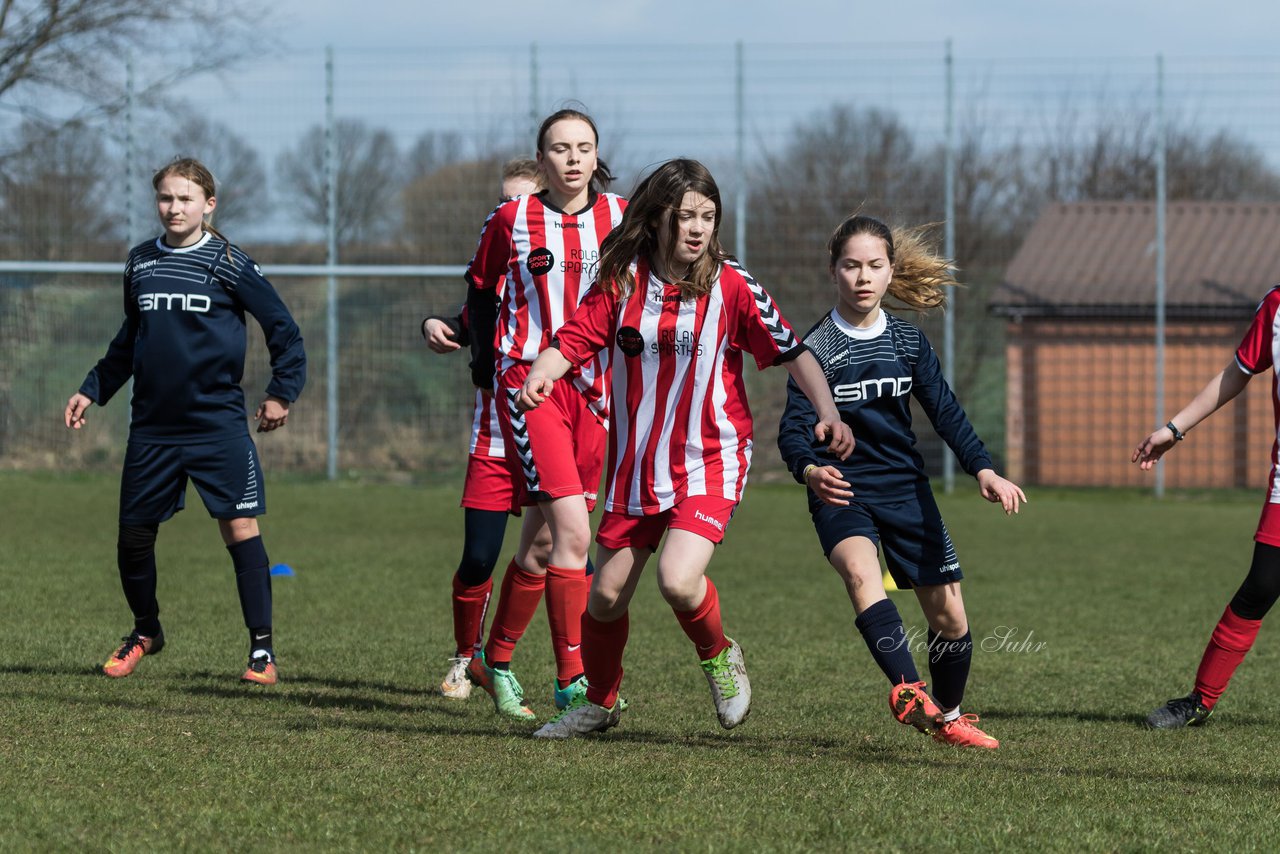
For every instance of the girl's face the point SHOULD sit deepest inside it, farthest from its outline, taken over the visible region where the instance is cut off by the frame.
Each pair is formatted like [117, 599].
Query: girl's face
[695, 221]
[862, 274]
[182, 207]
[568, 157]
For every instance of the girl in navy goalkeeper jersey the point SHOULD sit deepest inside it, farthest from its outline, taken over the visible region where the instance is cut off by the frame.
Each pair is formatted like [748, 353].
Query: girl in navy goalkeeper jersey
[183, 345]
[879, 498]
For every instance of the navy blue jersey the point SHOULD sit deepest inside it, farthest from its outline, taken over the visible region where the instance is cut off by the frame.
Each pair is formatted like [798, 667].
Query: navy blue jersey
[873, 373]
[183, 342]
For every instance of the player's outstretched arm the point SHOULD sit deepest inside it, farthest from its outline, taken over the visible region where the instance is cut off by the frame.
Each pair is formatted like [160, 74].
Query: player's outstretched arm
[550, 366]
[807, 373]
[1225, 386]
[999, 490]
[272, 413]
[77, 406]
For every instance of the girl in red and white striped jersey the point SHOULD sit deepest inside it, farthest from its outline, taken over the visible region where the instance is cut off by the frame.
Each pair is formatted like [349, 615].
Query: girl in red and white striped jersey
[545, 247]
[675, 313]
[489, 493]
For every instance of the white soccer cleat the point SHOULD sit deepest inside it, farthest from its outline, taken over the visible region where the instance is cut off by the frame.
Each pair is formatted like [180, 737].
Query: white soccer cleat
[730, 687]
[580, 718]
[456, 685]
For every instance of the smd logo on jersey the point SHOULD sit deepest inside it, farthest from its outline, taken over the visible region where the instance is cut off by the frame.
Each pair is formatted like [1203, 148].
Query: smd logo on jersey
[869, 389]
[174, 302]
[630, 341]
[541, 261]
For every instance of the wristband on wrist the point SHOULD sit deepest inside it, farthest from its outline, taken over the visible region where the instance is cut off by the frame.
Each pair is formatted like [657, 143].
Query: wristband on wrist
[804, 475]
[1178, 435]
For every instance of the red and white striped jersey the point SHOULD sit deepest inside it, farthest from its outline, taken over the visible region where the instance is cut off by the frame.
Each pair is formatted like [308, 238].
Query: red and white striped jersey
[1259, 350]
[486, 434]
[549, 260]
[681, 423]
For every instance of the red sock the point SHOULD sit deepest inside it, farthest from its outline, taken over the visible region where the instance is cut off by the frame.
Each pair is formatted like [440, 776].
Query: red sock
[567, 591]
[602, 646]
[702, 625]
[469, 605]
[521, 592]
[1231, 640]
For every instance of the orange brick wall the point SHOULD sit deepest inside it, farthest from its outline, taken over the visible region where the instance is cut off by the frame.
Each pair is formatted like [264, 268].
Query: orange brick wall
[1081, 395]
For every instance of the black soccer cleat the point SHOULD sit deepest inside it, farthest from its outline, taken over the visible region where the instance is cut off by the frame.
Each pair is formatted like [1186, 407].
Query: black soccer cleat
[1179, 712]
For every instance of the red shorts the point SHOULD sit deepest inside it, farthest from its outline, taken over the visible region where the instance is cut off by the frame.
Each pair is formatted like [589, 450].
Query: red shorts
[490, 485]
[1269, 525]
[559, 447]
[704, 515]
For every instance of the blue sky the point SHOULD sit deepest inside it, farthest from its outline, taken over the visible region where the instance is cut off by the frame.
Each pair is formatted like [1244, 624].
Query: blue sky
[978, 29]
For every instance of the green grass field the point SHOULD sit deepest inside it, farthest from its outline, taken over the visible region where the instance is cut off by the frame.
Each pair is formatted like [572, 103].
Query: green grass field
[1106, 599]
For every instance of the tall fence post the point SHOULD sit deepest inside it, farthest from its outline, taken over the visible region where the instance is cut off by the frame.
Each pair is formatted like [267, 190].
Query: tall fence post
[740, 201]
[130, 157]
[1161, 193]
[949, 249]
[331, 257]
[535, 119]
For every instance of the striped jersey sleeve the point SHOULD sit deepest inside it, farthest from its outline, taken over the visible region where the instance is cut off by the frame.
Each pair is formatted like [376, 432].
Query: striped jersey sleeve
[1256, 352]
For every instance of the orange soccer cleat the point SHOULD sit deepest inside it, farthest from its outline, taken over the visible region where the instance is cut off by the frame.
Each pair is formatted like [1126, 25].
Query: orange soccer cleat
[911, 705]
[126, 658]
[261, 670]
[962, 732]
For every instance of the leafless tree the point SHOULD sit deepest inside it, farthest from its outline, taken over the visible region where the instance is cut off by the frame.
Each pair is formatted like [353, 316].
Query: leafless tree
[369, 179]
[432, 151]
[445, 209]
[51, 191]
[75, 47]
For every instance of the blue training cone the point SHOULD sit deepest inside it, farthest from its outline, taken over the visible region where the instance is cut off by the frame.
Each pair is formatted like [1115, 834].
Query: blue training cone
[282, 569]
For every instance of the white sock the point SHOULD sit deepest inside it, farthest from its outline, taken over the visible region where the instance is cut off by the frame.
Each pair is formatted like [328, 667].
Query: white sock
[951, 715]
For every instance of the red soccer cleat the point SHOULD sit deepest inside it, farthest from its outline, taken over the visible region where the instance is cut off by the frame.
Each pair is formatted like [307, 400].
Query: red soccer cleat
[911, 705]
[962, 733]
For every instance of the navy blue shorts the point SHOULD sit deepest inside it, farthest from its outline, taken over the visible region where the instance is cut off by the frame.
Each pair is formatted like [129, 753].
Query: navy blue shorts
[910, 534]
[228, 476]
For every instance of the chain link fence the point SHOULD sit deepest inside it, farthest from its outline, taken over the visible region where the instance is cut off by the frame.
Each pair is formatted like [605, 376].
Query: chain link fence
[798, 136]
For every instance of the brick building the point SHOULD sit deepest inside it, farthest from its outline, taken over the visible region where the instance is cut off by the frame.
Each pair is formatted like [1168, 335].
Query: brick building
[1079, 303]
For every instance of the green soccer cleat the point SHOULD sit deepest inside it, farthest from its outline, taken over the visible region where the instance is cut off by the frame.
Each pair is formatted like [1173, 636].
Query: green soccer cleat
[502, 686]
[564, 697]
[730, 687]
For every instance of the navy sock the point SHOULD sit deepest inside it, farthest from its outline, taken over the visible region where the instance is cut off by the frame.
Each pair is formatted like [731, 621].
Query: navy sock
[136, 559]
[253, 583]
[483, 531]
[949, 668]
[881, 628]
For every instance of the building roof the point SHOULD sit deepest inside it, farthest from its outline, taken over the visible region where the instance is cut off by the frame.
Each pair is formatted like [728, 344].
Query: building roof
[1091, 258]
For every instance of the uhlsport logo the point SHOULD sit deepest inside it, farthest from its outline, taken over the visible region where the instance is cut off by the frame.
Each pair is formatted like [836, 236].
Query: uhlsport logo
[174, 302]
[630, 341]
[541, 261]
[247, 505]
